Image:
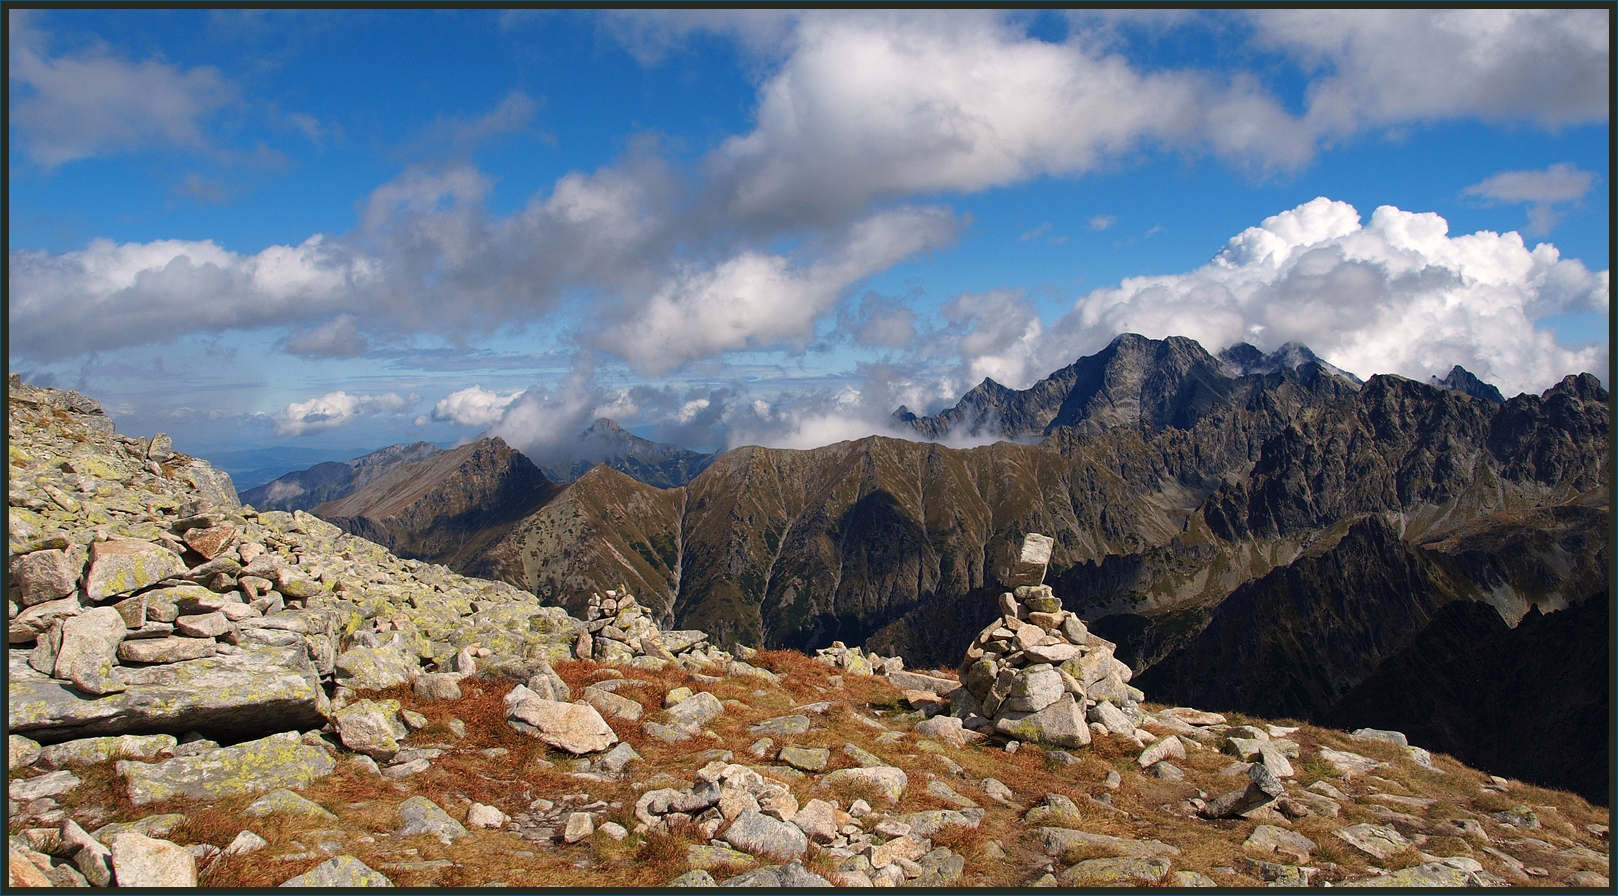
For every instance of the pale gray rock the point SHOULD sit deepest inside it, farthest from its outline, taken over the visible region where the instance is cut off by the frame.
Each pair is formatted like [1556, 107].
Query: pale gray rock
[203, 625]
[141, 861]
[87, 655]
[90, 856]
[437, 686]
[615, 759]
[574, 727]
[1058, 841]
[1427, 875]
[579, 827]
[782, 726]
[915, 681]
[1122, 871]
[1377, 841]
[695, 711]
[1392, 737]
[1288, 844]
[818, 821]
[614, 705]
[809, 759]
[887, 780]
[481, 816]
[244, 843]
[759, 834]
[697, 878]
[55, 783]
[1059, 724]
[31, 624]
[1112, 718]
[375, 668]
[1037, 687]
[943, 728]
[1032, 558]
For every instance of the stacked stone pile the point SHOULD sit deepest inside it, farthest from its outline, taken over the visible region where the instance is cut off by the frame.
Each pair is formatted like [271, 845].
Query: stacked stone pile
[1037, 674]
[619, 630]
[855, 661]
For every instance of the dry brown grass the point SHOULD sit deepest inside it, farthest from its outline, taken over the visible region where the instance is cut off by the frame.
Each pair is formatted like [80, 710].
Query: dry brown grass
[1142, 807]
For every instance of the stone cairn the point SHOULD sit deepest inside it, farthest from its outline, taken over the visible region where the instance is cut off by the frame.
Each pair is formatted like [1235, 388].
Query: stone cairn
[1037, 674]
[619, 630]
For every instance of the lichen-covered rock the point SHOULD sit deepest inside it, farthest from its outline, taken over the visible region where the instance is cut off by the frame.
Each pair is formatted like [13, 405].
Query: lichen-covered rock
[376, 668]
[420, 815]
[371, 727]
[1114, 872]
[255, 690]
[337, 873]
[126, 565]
[1060, 724]
[281, 760]
[285, 802]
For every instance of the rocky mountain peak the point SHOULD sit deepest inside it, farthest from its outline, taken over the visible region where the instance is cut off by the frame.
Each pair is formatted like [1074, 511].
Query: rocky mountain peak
[1460, 379]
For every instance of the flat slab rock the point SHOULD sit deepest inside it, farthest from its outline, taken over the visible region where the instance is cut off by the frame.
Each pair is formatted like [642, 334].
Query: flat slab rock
[280, 760]
[259, 690]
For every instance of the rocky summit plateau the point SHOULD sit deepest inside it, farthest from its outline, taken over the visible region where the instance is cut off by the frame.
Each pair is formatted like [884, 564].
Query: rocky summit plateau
[205, 693]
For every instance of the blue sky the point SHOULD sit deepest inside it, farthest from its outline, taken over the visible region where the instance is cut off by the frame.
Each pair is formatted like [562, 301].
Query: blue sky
[336, 228]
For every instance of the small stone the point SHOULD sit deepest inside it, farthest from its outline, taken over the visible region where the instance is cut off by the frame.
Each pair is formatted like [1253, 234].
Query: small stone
[809, 759]
[579, 827]
[1374, 840]
[1032, 558]
[166, 650]
[437, 686]
[888, 781]
[574, 727]
[479, 815]
[206, 625]
[45, 576]
[244, 843]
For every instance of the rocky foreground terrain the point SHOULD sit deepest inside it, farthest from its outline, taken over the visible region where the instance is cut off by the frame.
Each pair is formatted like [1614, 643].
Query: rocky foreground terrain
[201, 693]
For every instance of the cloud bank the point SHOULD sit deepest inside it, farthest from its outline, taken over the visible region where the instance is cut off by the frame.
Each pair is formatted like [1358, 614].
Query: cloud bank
[335, 409]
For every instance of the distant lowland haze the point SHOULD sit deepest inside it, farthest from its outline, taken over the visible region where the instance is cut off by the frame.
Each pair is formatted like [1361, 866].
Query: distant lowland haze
[289, 237]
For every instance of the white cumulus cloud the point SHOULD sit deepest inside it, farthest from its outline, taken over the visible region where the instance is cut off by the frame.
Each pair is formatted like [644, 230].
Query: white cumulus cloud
[474, 406]
[110, 295]
[1395, 295]
[336, 409]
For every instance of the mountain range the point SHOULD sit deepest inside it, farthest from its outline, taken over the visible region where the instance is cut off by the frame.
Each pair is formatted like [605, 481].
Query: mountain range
[1231, 521]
